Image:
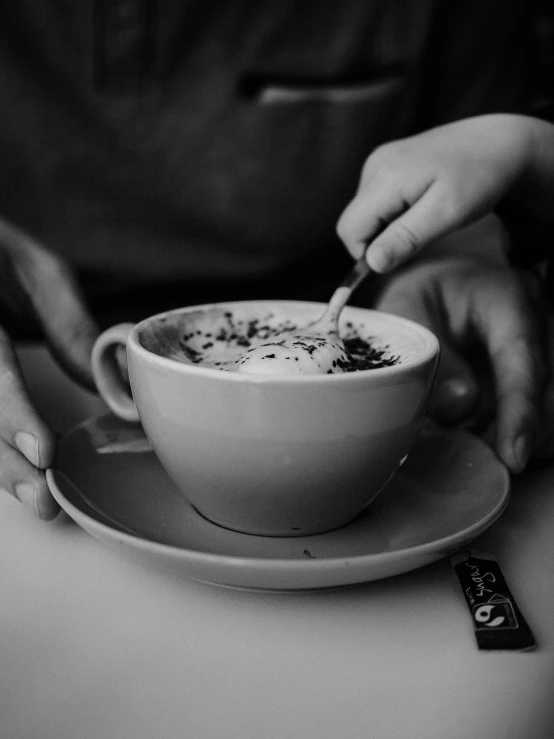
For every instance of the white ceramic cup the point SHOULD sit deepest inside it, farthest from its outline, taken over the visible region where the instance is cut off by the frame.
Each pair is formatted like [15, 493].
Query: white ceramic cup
[262, 454]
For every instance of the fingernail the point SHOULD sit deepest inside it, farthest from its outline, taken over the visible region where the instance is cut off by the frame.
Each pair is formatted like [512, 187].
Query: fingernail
[522, 449]
[382, 262]
[28, 446]
[27, 494]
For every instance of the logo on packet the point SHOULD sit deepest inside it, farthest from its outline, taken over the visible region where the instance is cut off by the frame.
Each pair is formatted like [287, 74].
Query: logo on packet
[498, 614]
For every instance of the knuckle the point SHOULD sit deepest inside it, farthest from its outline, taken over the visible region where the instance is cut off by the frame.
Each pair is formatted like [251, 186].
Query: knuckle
[518, 347]
[448, 204]
[349, 229]
[381, 161]
[523, 365]
[343, 227]
[14, 469]
[8, 378]
[11, 380]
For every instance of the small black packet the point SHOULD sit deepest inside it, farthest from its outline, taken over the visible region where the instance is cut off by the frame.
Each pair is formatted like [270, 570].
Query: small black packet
[497, 621]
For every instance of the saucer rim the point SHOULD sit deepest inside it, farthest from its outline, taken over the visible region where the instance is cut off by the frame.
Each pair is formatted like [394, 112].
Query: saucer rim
[448, 543]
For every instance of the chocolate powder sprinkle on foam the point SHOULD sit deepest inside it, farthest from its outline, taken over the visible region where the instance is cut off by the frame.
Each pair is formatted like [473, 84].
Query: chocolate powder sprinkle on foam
[223, 346]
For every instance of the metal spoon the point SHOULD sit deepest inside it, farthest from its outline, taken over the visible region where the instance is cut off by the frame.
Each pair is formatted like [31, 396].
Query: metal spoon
[328, 323]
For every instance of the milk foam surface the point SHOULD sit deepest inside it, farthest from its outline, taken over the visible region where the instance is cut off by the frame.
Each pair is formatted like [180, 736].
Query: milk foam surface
[298, 354]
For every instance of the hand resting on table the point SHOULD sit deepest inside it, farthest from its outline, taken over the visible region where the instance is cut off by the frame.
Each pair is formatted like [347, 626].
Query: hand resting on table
[36, 285]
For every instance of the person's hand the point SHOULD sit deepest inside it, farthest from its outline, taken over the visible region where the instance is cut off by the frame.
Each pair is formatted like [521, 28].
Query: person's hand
[492, 372]
[414, 190]
[544, 448]
[36, 285]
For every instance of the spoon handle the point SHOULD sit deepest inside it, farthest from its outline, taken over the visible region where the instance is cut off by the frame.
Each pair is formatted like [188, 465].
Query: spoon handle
[341, 296]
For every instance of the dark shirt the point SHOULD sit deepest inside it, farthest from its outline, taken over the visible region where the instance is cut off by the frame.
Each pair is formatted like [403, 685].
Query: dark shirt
[195, 144]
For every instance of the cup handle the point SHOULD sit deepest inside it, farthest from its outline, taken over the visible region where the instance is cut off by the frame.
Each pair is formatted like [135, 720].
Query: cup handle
[107, 375]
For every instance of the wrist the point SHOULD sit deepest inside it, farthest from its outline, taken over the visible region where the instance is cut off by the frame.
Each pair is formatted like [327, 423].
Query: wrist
[527, 210]
[533, 190]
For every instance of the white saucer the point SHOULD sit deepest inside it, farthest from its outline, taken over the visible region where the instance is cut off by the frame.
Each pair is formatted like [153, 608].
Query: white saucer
[450, 489]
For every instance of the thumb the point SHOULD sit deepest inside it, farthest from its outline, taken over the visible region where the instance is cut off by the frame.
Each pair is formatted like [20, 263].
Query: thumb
[456, 394]
[56, 301]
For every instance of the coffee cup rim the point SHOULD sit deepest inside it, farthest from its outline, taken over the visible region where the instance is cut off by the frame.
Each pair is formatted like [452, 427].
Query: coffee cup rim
[431, 349]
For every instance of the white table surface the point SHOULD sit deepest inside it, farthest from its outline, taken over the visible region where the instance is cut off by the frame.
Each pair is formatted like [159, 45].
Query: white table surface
[95, 646]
